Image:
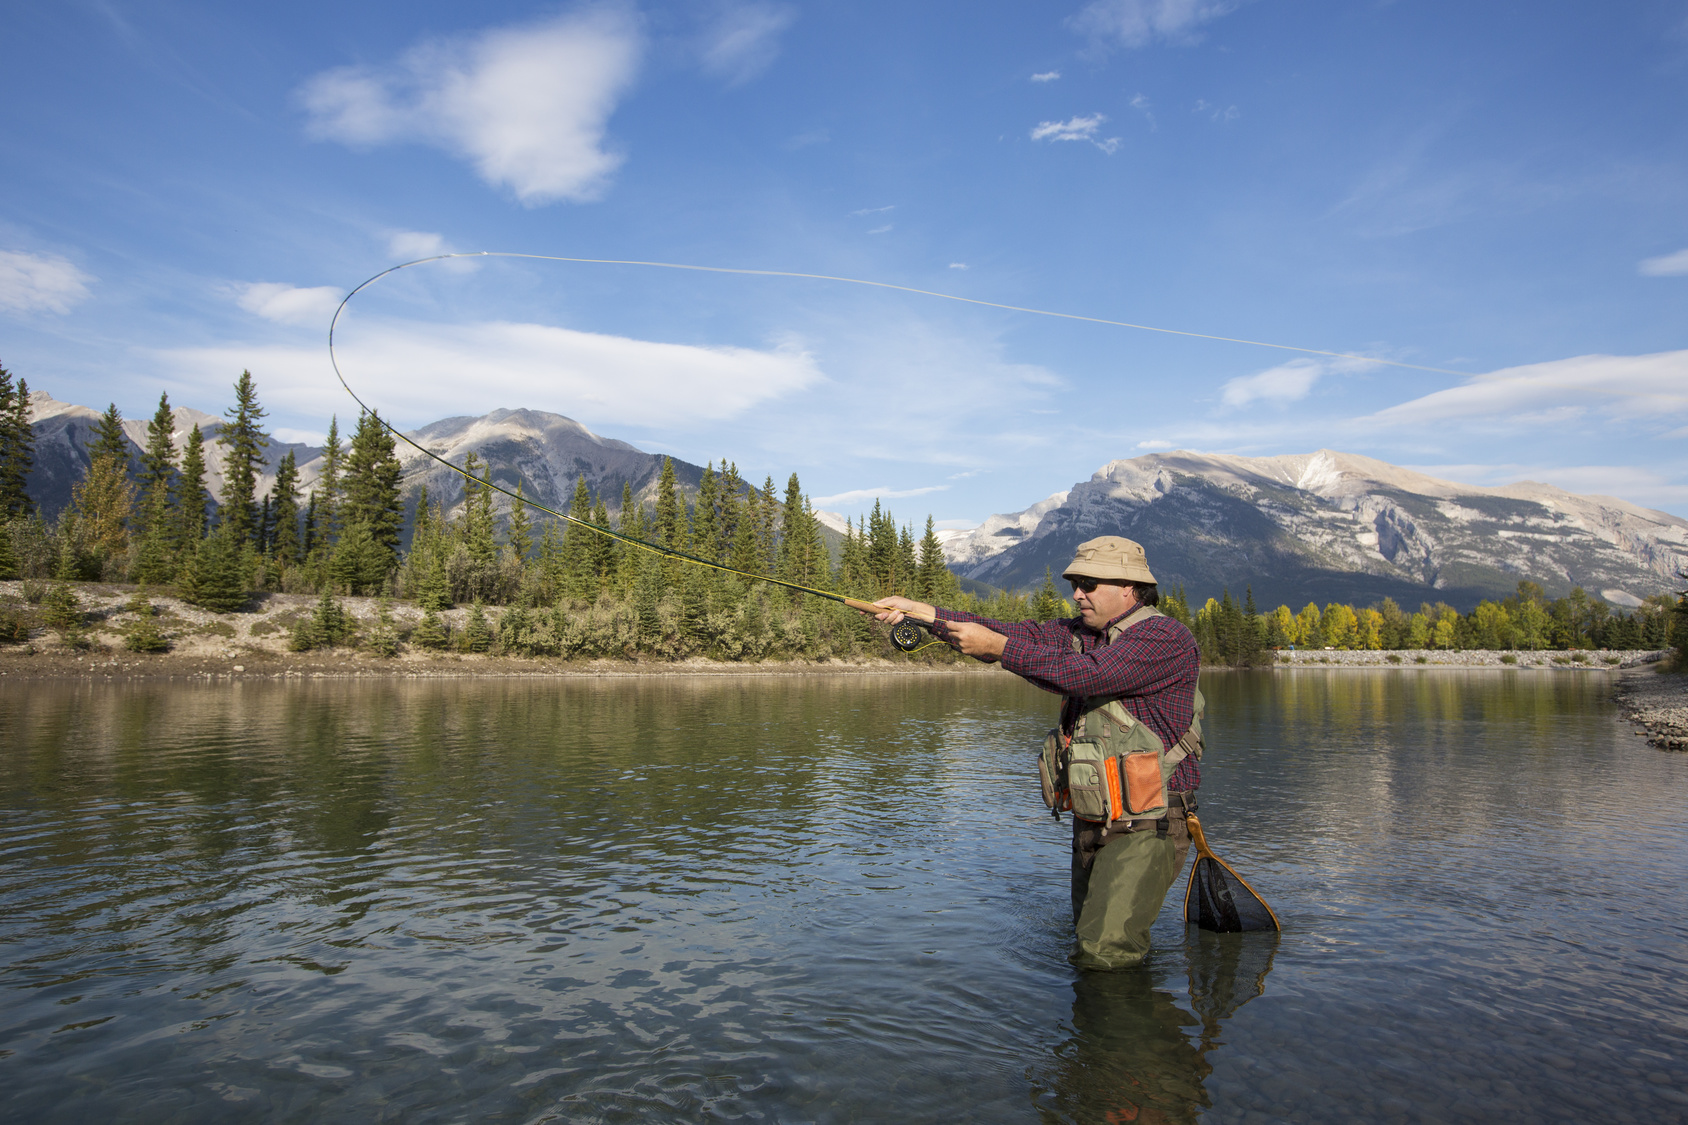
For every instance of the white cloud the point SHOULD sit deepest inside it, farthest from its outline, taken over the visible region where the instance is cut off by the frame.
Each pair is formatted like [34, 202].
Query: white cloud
[742, 40]
[413, 244]
[1136, 23]
[881, 230]
[420, 371]
[958, 265]
[1285, 383]
[301, 437]
[1077, 129]
[1667, 265]
[286, 304]
[1648, 386]
[526, 105]
[1154, 444]
[1046, 76]
[40, 282]
[872, 211]
[1141, 105]
[859, 495]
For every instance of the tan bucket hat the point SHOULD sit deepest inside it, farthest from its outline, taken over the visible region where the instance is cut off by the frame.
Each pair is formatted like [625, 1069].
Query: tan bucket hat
[1110, 556]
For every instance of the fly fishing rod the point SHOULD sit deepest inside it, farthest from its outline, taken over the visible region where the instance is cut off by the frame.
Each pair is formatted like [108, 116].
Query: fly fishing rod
[906, 634]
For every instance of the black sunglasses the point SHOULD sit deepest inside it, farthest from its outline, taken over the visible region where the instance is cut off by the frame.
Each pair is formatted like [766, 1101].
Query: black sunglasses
[1088, 585]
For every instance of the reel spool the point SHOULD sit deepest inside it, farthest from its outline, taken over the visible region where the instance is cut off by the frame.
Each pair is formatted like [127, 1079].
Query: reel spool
[907, 635]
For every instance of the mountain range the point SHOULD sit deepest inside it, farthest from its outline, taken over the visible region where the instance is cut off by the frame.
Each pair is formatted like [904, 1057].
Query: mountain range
[1322, 526]
[1330, 526]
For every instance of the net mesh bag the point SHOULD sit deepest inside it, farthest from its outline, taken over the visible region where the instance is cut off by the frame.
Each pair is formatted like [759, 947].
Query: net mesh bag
[1219, 899]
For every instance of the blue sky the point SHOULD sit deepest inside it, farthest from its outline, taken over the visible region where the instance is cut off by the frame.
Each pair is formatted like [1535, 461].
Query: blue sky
[1496, 190]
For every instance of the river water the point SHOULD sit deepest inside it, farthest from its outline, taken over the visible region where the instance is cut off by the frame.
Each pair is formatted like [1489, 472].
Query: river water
[822, 899]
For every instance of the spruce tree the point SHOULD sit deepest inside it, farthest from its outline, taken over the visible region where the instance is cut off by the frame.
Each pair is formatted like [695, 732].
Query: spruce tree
[104, 499]
[158, 468]
[429, 633]
[17, 447]
[767, 527]
[521, 529]
[576, 566]
[192, 500]
[372, 485]
[607, 554]
[245, 441]
[672, 530]
[329, 489]
[284, 537]
[143, 633]
[706, 521]
[934, 577]
[215, 577]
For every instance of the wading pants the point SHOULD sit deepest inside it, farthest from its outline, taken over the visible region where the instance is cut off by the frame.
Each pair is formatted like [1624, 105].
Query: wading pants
[1120, 879]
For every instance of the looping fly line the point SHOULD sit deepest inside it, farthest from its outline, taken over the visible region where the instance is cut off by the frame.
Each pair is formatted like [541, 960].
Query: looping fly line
[905, 638]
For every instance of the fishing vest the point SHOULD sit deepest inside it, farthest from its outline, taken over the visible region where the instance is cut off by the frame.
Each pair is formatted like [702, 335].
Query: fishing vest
[1111, 766]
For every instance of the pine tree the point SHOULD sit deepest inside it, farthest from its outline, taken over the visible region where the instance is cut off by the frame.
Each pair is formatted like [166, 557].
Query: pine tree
[575, 566]
[17, 447]
[606, 556]
[372, 486]
[192, 500]
[143, 633]
[284, 539]
[245, 441]
[429, 633]
[104, 498]
[521, 528]
[767, 528]
[933, 577]
[672, 530]
[215, 577]
[706, 521]
[158, 468]
[908, 569]
[477, 631]
[308, 543]
[329, 489]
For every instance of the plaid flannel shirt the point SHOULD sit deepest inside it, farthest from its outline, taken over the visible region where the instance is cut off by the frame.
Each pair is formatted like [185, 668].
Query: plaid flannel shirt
[1153, 666]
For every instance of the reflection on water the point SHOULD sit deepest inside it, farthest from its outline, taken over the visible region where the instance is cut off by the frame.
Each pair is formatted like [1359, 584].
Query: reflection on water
[819, 899]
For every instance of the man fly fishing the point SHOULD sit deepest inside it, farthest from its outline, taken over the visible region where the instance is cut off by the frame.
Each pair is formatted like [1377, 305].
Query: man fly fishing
[1125, 758]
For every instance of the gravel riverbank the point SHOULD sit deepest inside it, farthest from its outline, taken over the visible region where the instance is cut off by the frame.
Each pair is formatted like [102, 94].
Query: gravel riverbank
[1657, 703]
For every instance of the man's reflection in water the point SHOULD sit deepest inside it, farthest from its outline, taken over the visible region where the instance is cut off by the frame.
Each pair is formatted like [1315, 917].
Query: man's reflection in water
[1135, 1054]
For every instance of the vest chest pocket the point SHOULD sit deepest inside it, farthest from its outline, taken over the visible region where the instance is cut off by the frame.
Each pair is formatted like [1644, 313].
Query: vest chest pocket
[1093, 781]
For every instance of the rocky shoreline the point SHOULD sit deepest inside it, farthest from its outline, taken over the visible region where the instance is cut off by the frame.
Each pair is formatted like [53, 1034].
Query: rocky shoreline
[1657, 703]
[1599, 659]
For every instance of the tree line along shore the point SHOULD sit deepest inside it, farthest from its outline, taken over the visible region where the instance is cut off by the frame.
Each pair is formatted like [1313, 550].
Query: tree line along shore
[524, 584]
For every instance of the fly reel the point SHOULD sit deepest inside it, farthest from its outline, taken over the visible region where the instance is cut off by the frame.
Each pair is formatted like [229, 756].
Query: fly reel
[907, 635]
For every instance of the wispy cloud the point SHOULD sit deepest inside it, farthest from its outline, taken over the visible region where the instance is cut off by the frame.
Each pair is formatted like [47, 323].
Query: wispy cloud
[413, 244]
[286, 304]
[1077, 129]
[1137, 23]
[740, 41]
[859, 495]
[1288, 382]
[1216, 113]
[1154, 443]
[420, 371]
[526, 105]
[1647, 386]
[1141, 105]
[958, 265]
[1047, 76]
[881, 230]
[872, 211]
[1667, 265]
[40, 282]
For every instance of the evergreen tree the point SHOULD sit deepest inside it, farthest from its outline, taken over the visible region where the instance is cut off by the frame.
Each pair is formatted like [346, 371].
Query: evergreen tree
[104, 498]
[429, 633]
[672, 528]
[330, 489]
[746, 552]
[576, 565]
[480, 528]
[192, 501]
[521, 529]
[8, 557]
[143, 633]
[767, 527]
[308, 543]
[607, 556]
[359, 564]
[215, 577]
[792, 558]
[1048, 604]
[284, 538]
[706, 520]
[477, 631]
[371, 486]
[245, 441]
[907, 568]
[158, 468]
[17, 447]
